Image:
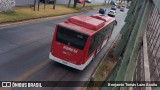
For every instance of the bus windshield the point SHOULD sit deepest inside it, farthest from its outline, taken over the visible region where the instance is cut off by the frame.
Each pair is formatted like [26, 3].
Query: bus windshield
[71, 37]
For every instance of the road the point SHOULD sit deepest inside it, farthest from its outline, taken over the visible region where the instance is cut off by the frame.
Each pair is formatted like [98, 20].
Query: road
[24, 52]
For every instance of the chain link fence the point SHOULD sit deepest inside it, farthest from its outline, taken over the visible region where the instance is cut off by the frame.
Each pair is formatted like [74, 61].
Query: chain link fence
[153, 52]
[140, 61]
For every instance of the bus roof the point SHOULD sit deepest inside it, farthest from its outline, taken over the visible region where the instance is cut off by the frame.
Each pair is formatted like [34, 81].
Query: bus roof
[87, 24]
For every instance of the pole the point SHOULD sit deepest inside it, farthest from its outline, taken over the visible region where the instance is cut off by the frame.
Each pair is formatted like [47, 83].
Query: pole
[34, 5]
[69, 3]
[38, 4]
[75, 3]
[45, 4]
[54, 4]
[84, 3]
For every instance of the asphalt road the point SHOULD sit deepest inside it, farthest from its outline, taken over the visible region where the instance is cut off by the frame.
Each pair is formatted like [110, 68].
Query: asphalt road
[24, 53]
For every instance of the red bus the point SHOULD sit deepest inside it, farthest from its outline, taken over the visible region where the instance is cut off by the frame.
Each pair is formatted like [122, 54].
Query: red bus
[77, 40]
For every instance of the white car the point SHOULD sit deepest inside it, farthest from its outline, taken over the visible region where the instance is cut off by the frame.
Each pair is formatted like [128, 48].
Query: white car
[112, 13]
[88, 1]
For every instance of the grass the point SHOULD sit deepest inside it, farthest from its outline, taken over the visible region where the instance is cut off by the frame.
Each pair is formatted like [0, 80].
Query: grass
[25, 13]
[104, 69]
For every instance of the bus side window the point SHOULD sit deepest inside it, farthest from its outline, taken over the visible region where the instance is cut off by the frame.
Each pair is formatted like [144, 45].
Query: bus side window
[98, 38]
[95, 41]
[112, 26]
[105, 29]
[92, 45]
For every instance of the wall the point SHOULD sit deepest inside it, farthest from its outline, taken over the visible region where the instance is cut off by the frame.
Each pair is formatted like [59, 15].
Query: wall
[7, 5]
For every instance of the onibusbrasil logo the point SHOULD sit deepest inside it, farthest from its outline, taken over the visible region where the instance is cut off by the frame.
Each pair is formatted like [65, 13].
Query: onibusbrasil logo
[19, 84]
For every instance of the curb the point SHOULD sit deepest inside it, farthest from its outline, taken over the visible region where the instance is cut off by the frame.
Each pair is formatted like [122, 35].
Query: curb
[20, 22]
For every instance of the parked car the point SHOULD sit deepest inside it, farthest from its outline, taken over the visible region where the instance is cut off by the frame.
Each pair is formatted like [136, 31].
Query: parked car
[122, 9]
[113, 7]
[112, 13]
[47, 1]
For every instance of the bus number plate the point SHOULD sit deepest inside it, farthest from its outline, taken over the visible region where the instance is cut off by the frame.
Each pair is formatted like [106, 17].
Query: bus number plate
[64, 62]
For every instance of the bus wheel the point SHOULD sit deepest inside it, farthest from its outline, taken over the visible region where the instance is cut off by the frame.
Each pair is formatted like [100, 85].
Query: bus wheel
[98, 50]
[94, 55]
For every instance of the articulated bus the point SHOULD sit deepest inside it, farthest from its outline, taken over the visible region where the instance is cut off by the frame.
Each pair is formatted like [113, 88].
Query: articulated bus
[79, 39]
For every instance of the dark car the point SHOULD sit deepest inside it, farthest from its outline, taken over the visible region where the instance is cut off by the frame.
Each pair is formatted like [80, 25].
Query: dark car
[113, 3]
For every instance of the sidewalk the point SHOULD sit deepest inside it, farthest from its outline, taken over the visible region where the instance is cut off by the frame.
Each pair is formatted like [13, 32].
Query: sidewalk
[26, 13]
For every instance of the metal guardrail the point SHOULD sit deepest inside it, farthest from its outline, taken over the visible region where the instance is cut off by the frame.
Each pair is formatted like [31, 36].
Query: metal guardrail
[141, 57]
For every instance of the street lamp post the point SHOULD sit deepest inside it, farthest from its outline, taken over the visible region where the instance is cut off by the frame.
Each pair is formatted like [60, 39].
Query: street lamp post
[69, 3]
[54, 4]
